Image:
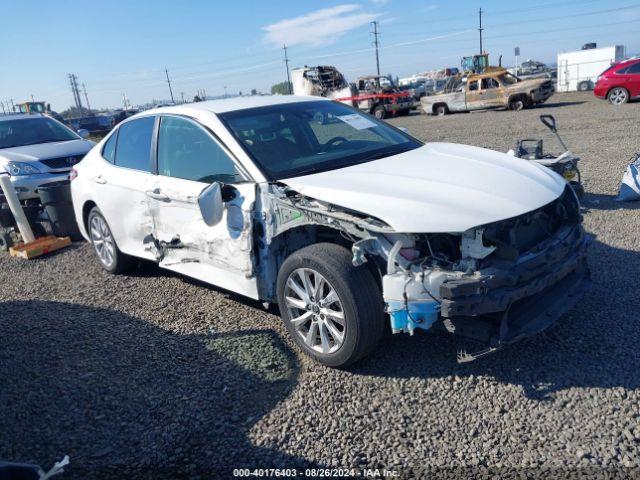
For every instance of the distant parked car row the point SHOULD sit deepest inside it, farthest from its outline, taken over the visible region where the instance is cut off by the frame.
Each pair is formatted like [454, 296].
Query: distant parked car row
[100, 123]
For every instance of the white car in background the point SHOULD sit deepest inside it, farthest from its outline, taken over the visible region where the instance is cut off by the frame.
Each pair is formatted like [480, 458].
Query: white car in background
[338, 218]
[36, 150]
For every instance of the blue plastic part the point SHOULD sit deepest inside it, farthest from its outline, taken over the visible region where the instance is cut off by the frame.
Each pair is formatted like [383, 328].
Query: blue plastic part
[420, 314]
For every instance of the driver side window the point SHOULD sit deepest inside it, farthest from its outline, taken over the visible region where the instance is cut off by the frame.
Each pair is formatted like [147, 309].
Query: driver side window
[187, 151]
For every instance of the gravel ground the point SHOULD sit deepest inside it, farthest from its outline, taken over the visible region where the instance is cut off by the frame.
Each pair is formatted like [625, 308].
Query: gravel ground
[152, 375]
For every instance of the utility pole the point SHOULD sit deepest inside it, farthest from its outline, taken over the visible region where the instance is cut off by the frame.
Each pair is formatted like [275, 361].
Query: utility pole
[480, 30]
[169, 82]
[86, 97]
[376, 44]
[73, 80]
[286, 63]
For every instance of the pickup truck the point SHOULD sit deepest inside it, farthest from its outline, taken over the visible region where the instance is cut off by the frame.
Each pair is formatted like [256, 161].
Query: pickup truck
[492, 89]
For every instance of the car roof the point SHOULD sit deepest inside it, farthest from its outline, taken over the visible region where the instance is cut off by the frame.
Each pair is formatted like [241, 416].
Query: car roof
[628, 61]
[235, 103]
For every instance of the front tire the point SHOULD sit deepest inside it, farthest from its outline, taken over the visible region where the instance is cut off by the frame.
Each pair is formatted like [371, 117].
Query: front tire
[107, 251]
[618, 96]
[442, 110]
[517, 104]
[331, 309]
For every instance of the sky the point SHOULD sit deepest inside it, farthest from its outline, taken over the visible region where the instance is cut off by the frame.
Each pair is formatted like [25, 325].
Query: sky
[117, 47]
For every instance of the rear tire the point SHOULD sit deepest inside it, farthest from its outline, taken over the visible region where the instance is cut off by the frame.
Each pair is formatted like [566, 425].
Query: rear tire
[379, 112]
[107, 251]
[335, 333]
[584, 86]
[618, 96]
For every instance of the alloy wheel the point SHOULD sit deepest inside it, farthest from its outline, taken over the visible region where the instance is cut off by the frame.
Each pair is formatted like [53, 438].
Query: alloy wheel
[102, 241]
[315, 310]
[618, 96]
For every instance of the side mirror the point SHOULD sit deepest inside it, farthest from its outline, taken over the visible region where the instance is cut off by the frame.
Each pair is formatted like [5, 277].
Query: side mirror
[211, 204]
[83, 133]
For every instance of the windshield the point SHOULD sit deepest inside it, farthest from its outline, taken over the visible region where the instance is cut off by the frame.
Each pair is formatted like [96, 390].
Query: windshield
[308, 137]
[30, 131]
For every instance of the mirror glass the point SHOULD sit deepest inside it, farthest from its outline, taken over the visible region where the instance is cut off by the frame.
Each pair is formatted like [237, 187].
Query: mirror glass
[211, 205]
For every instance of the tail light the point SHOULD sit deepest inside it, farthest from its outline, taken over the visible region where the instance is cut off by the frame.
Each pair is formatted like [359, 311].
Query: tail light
[73, 174]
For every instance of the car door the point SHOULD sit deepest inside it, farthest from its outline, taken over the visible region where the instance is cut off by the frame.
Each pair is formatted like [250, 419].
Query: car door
[473, 95]
[189, 159]
[491, 93]
[632, 79]
[120, 185]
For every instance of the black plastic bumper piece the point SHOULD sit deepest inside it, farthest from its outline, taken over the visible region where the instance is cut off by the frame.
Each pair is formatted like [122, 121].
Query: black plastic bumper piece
[496, 290]
[527, 300]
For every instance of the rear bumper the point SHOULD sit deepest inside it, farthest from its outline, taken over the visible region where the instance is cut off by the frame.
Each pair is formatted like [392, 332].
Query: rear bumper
[600, 91]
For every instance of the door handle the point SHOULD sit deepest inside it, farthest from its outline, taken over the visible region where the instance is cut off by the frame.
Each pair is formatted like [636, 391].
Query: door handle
[99, 179]
[157, 195]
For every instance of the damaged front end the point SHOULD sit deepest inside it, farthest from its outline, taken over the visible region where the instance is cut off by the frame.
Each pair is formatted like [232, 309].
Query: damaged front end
[492, 285]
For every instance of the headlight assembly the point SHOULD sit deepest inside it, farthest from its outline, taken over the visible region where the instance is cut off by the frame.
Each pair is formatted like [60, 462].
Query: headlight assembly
[20, 168]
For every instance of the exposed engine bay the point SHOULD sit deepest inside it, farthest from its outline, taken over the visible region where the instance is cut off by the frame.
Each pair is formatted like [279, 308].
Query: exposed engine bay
[490, 285]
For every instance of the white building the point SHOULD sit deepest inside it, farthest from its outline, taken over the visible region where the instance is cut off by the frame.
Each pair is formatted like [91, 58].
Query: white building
[579, 70]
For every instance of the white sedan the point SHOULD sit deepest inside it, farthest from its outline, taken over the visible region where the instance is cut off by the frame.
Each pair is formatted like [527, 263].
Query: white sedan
[339, 218]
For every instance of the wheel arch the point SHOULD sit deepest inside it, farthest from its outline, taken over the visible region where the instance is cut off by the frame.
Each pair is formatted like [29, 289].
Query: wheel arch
[86, 209]
[617, 86]
[434, 108]
[283, 245]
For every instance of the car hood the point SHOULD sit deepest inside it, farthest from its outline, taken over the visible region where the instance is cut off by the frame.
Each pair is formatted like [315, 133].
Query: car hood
[439, 187]
[531, 83]
[30, 153]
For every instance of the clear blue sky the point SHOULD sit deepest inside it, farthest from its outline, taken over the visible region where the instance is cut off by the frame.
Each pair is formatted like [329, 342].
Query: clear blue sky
[118, 46]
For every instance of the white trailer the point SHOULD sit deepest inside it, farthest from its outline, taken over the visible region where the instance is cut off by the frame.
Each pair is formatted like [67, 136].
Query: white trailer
[579, 70]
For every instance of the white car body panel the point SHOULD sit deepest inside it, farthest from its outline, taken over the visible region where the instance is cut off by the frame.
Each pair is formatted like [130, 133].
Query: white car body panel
[220, 254]
[123, 202]
[440, 187]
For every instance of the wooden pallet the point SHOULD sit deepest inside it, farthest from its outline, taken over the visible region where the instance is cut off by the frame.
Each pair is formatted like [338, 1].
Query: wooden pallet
[40, 246]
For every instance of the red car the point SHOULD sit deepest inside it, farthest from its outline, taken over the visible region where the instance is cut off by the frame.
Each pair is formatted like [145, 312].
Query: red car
[620, 82]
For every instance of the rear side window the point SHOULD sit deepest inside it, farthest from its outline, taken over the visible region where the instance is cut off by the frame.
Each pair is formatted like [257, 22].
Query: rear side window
[186, 150]
[634, 69]
[109, 149]
[134, 144]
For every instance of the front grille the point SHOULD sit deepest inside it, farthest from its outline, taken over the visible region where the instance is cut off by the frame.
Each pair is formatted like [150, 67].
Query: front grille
[62, 162]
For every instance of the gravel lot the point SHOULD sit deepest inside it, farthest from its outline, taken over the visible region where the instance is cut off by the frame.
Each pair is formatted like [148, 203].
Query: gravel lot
[152, 375]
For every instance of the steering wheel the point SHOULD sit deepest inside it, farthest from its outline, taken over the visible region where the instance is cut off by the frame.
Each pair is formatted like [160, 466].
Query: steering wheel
[336, 140]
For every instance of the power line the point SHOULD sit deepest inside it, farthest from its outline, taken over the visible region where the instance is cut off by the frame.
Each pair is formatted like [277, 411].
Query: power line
[375, 43]
[286, 63]
[169, 82]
